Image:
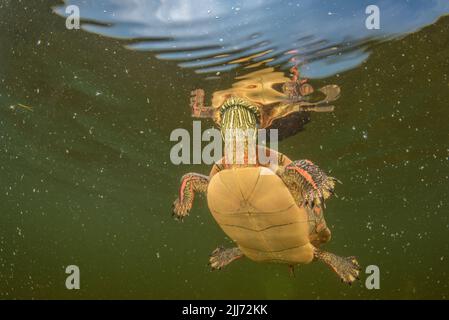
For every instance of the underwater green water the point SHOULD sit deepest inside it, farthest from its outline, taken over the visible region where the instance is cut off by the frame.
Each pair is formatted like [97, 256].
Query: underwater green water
[86, 177]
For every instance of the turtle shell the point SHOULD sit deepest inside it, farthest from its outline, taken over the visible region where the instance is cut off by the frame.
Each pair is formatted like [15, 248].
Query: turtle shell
[289, 125]
[256, 210]
[261, 88]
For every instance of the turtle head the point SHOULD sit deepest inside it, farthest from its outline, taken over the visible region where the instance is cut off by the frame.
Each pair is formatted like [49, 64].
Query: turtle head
[239, 121]
[238, 115]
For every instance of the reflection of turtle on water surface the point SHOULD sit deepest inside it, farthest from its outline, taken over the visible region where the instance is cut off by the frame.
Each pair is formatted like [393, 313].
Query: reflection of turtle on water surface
[272, 211]
[284, 104]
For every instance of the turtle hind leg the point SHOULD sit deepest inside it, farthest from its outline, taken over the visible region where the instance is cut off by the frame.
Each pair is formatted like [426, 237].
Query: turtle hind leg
[347, 268]
[190, 184]
[321, 237]
[221, 257]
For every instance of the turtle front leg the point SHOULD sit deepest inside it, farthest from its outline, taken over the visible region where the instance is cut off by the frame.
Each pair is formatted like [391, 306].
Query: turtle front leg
[347, 268]
[221, 257]
[190, 183]
[308, 184]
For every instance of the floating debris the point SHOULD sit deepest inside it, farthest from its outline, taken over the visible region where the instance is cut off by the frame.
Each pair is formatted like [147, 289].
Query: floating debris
[23, 106]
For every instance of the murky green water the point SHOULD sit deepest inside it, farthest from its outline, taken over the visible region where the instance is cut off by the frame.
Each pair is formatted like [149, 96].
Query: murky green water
[86, 177]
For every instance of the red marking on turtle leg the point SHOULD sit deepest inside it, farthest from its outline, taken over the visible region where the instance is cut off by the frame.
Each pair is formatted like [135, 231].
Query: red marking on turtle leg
[308, 162]
[194, 184]
[190, 183]
[306, 176]
[314, 184]
[183, 186]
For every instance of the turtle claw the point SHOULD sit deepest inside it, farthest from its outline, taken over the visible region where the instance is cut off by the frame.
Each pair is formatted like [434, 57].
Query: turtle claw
[221, 257]
[191, 183]
[181, 209]
[215, 259]
[348, 269]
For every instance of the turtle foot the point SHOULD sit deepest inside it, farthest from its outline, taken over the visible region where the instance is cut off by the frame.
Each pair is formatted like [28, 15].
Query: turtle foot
[221, 257]
[347, 268]
[191, 183]
[308, 183]
[181, 209]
